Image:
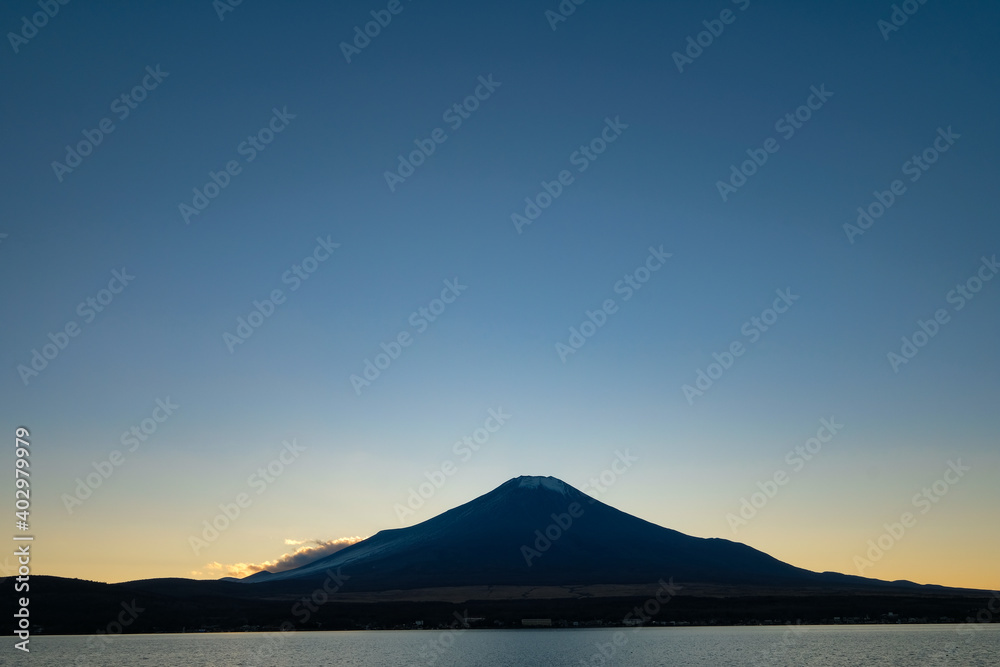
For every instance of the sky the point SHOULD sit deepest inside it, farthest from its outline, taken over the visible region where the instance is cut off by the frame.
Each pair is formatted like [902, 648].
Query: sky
[265, 271]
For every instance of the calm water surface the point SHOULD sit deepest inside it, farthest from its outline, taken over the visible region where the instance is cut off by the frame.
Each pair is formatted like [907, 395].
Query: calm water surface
[830, 646]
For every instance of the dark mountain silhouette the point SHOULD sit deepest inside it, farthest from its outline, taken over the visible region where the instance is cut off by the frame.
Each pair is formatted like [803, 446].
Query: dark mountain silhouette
[540, 531]
[534, 547]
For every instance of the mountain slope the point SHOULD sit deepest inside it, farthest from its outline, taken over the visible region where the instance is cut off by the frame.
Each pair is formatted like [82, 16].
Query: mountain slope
[541, 531]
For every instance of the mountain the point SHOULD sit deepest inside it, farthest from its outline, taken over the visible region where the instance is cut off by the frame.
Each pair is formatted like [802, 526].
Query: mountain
[534, 547]
[540, 531]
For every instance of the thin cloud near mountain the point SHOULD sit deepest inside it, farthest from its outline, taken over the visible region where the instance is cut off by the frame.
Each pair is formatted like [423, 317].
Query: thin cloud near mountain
[312, 550]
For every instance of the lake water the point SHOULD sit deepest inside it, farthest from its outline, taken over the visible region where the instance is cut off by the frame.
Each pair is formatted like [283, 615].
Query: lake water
[773, 646]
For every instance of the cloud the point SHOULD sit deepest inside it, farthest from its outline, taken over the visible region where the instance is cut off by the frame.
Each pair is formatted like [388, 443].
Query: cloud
[313, 550]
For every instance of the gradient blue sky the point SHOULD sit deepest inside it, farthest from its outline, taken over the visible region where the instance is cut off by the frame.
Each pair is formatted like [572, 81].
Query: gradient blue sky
[323, 176]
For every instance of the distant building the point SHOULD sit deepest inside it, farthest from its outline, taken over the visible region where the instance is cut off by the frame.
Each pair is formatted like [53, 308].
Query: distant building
[536, 622]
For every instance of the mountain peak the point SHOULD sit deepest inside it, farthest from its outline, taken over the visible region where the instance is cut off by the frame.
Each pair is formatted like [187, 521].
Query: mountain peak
[537, 482]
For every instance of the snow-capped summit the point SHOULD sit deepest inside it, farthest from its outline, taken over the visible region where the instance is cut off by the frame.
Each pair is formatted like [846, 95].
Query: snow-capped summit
[550, 483]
